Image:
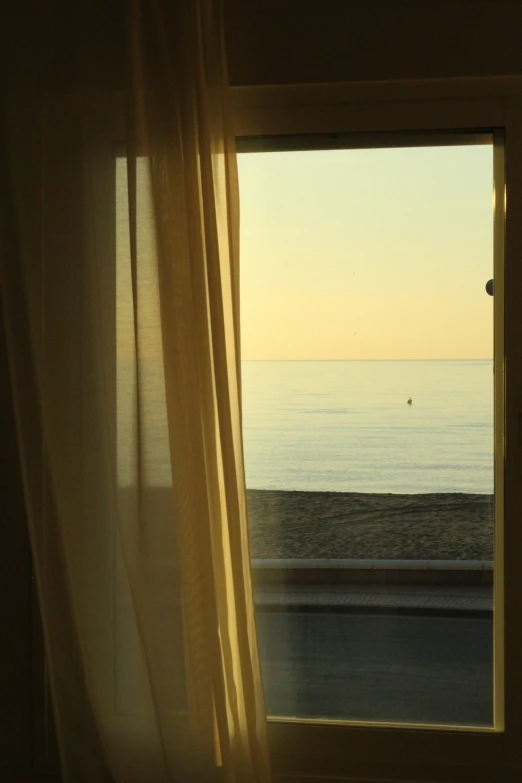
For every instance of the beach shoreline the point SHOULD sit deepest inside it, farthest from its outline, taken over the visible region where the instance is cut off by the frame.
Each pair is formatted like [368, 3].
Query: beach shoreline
[294, 524]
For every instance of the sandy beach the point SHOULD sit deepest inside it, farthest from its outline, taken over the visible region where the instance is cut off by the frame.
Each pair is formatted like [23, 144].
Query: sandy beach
[293, 524]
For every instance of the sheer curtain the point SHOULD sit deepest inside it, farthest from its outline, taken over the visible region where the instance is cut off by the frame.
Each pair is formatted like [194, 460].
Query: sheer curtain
[119, 263]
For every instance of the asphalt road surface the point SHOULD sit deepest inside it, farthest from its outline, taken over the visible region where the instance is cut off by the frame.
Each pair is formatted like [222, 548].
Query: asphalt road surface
[377, 667]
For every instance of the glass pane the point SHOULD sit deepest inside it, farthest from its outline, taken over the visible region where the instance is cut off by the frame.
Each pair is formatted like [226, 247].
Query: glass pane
[367, 347]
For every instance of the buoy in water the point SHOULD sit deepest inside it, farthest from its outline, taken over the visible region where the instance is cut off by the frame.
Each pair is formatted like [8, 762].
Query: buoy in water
[410, 401]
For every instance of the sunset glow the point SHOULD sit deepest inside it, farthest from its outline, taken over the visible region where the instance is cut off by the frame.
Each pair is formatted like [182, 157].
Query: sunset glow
[367, 254]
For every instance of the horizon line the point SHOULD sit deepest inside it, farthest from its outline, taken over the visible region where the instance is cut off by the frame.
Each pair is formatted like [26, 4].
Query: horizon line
[477, 359]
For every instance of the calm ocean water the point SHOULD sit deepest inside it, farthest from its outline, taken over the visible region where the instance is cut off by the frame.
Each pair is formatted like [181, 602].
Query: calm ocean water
[345, 426]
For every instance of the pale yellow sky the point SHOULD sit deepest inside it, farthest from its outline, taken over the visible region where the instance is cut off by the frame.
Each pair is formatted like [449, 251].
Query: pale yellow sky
[367, 254]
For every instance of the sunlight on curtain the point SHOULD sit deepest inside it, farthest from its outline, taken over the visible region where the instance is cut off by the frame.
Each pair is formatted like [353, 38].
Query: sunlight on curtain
[120, 296]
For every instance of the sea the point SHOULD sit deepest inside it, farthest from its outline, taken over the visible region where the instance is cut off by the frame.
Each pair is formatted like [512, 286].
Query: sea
[346, 426]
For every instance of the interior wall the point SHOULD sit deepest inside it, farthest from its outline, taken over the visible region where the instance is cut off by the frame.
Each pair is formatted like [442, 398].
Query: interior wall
[311, 41]
[16, 731]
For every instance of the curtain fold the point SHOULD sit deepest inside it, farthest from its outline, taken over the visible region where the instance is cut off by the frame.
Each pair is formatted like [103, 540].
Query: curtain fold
[120, 292]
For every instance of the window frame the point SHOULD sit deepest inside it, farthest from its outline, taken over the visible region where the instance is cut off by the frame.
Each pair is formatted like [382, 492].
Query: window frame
[314, 749]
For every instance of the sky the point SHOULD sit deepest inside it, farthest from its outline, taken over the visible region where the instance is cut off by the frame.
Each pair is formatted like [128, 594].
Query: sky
[367, 254]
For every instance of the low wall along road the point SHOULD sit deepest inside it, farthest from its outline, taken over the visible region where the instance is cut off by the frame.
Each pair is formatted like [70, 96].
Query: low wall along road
[376, 572]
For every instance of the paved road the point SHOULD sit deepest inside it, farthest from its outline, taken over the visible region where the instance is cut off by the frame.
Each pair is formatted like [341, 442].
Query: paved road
[377, 667]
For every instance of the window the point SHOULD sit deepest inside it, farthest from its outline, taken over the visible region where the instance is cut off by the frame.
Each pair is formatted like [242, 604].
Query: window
[368, 408]
[265, 117]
